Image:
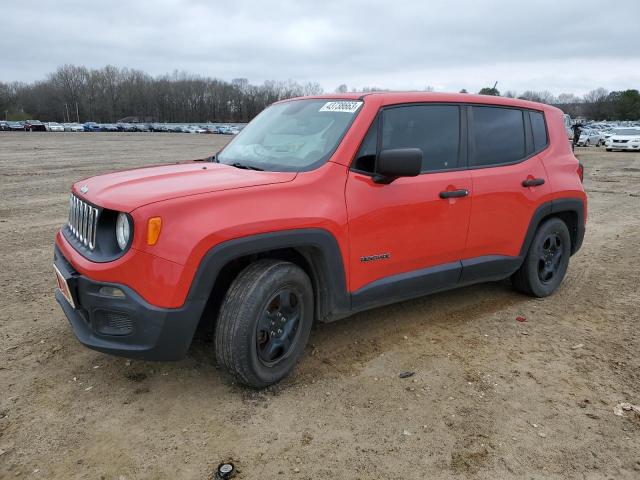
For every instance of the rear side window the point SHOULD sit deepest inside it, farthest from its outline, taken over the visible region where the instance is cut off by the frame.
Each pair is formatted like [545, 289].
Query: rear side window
[498, 135]
[539, 130]
[434, 129]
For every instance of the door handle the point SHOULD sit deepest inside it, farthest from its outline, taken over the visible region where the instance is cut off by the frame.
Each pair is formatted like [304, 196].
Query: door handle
[533, 182]
[454, 193]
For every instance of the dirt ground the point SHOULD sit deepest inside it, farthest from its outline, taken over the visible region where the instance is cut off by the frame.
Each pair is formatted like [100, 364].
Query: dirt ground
[492, 397]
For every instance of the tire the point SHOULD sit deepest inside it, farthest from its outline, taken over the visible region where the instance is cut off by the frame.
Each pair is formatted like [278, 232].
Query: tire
[268, 294]
[609, 150]
[547, 260]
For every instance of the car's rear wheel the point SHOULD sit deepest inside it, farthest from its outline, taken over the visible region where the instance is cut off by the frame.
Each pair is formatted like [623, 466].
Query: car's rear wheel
[264, 322]
[547, 260]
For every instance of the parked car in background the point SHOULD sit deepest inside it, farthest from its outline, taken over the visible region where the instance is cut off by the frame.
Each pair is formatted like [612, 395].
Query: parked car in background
[73, 127]
[54, 127]
[195, 129]
[15, 126]
[624, 139]
[91, 127]
[589, 138]
[158, 127]
[4, 126]
[109, 127]
[34, 126]
[568, 123]
[141, 127]
[212, 129]
[125, 127]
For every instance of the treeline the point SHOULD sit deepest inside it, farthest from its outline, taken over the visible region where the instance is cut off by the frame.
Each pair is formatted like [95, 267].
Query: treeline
[77, 93]
[598, 104]
[107, 94]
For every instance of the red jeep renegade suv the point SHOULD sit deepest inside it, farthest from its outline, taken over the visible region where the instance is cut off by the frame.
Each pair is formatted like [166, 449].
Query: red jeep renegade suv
[321, 207]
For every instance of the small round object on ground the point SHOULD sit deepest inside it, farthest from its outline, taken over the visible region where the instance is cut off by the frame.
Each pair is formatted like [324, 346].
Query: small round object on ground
[225, 471]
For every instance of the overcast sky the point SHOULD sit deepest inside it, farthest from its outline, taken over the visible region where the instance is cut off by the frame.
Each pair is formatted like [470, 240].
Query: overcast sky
[560, 46]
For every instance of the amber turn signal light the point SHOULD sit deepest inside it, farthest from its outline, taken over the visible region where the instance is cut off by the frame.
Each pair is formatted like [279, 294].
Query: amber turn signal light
[153, 230]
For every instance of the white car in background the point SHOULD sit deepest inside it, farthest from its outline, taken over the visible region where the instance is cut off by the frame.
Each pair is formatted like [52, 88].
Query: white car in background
[590, 137]
[567, 125]
[54, 127]
[195, 129]
[73, 127]
[624, 139]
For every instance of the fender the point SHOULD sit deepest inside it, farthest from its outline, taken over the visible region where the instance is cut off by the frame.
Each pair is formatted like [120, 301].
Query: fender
[318, 246]
[573, 205]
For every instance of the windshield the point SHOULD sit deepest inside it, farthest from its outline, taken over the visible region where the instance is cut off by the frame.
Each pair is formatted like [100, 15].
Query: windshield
[626, 131]
[291, 136]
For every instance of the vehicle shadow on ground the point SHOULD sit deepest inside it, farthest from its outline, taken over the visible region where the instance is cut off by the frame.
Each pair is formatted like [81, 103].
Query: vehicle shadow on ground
[345, 346]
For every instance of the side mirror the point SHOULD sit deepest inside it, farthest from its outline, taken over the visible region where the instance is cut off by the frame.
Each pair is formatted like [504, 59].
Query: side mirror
[398, 162]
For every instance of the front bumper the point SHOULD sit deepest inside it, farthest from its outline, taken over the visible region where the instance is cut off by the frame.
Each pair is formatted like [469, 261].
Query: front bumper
[624, 146]
[126, 326]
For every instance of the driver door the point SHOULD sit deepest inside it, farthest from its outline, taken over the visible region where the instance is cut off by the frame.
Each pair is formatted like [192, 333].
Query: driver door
[405, 229]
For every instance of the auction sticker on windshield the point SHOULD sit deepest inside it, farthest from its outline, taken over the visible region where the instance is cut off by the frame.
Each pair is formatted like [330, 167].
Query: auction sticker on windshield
[345, 107]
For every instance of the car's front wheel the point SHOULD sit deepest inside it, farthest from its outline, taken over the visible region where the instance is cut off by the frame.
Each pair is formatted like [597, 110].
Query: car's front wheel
[264, 322]
[547, 260]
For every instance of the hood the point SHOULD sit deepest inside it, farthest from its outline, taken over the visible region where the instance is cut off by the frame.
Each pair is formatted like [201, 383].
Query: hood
[127, 190]
[624, 137]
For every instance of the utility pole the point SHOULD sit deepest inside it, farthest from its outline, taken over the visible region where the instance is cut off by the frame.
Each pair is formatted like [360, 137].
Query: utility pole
[66, 106]
[77, 114]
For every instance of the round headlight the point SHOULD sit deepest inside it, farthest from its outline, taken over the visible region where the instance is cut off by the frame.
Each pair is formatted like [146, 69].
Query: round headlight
[123, 230]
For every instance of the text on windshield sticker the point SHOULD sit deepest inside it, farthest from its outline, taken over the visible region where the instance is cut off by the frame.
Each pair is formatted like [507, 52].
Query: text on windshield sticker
[345, 107]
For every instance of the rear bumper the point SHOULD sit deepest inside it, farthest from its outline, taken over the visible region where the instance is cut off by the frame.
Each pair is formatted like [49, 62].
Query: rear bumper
[126, 326]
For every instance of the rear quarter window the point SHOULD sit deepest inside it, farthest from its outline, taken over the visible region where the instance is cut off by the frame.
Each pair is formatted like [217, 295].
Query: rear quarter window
[539, 130]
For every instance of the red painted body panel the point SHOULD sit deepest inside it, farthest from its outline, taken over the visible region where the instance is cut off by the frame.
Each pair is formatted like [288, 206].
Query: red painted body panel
[129, 189]
[502, 207]
[159, 281]
[205, 204]
[407, 220]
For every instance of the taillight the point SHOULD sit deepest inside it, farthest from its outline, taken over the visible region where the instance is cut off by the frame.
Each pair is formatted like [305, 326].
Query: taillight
[581, 172]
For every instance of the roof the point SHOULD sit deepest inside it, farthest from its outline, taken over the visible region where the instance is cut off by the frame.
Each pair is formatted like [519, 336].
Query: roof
[390, 98]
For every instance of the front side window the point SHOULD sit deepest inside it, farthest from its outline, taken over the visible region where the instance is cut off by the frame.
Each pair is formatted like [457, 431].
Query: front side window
[498, 135]
[434, 129]
[291, 136]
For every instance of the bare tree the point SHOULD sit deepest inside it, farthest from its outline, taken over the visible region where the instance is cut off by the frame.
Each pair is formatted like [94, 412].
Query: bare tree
[567, 98]
[543, 96]
[312, 88]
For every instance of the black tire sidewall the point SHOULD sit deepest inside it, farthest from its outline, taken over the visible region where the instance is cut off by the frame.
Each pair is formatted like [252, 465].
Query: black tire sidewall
[240, 315]
[537, 287]
[272, 374]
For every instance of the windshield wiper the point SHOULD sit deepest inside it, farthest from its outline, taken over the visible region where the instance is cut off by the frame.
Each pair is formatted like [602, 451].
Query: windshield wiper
[246, 167]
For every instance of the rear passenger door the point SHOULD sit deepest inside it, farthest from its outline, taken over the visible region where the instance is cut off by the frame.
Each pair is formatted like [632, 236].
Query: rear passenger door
[508, 177]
